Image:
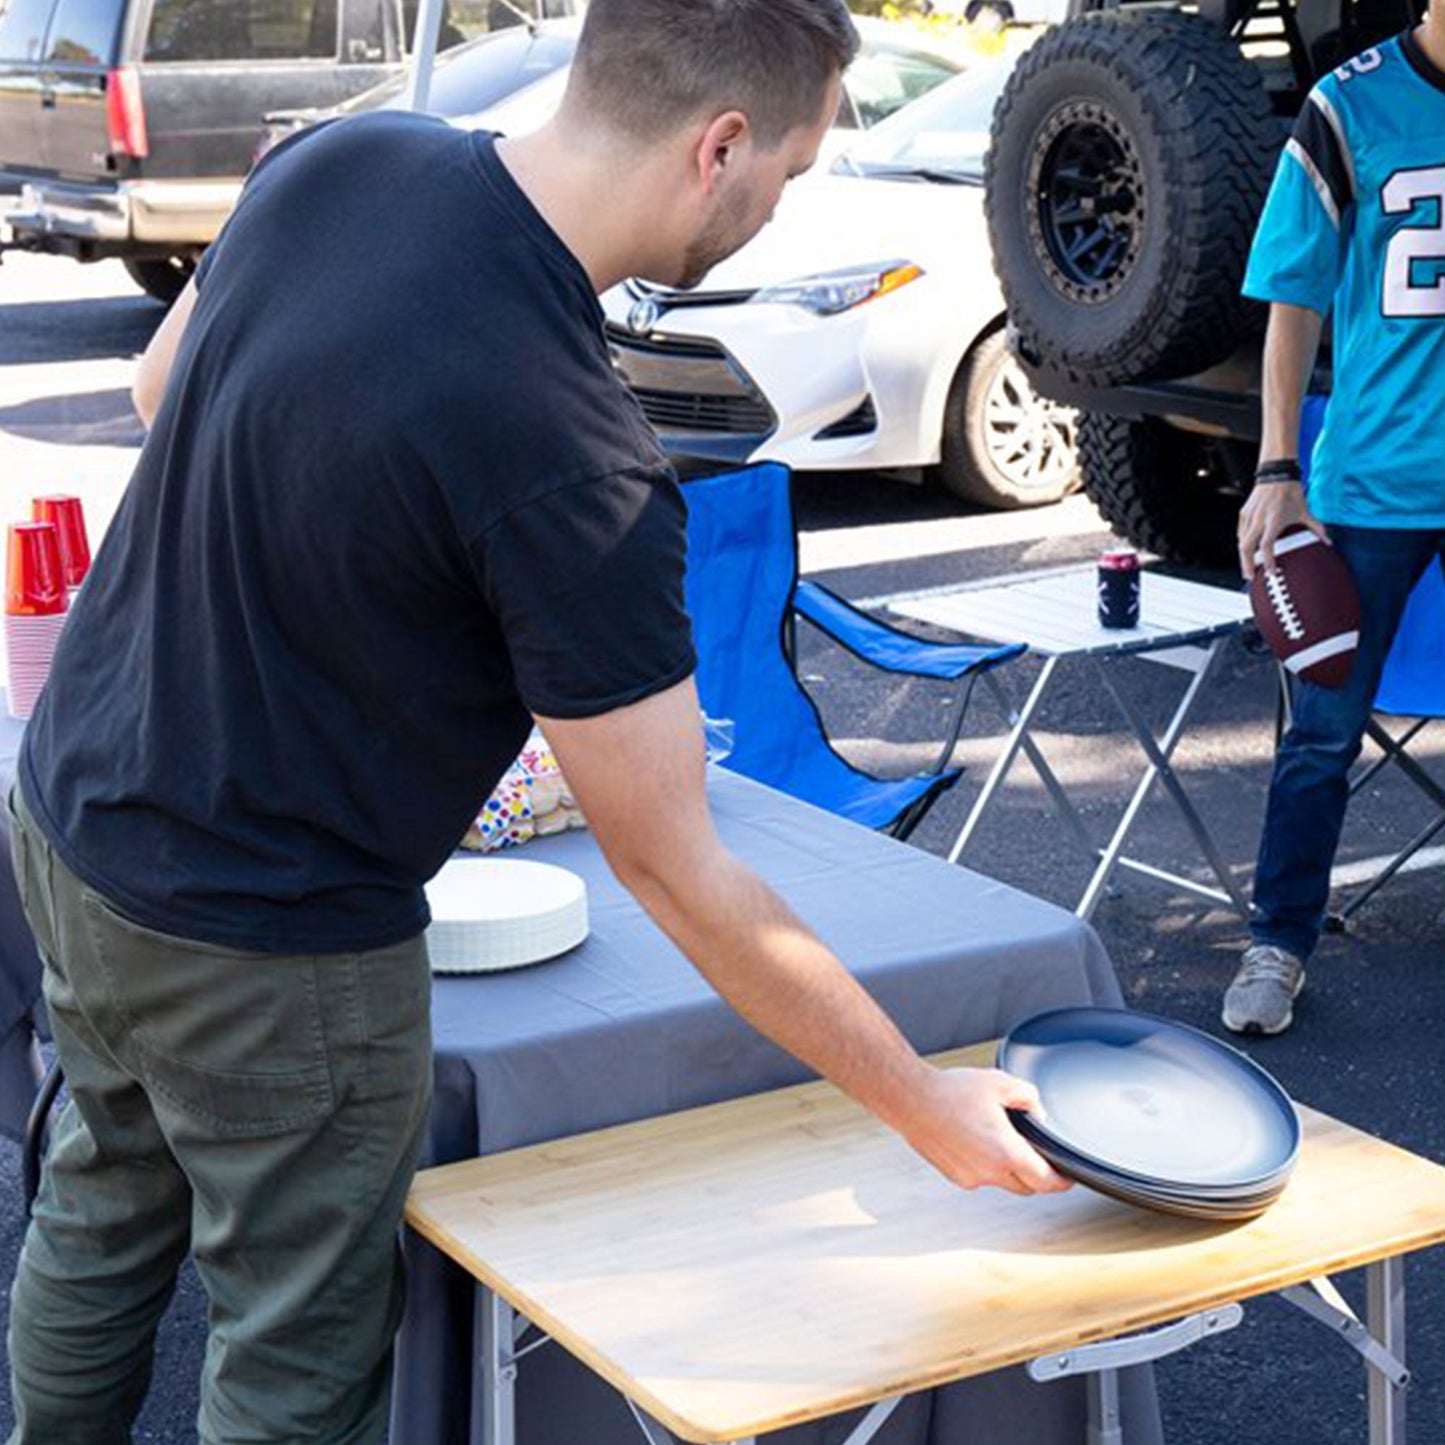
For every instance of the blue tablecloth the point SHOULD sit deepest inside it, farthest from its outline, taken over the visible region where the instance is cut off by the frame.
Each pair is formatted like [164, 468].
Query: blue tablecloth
[623, 1028]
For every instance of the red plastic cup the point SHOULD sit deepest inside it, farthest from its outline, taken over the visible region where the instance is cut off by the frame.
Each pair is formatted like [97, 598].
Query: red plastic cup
[34, 578]
[69, 519]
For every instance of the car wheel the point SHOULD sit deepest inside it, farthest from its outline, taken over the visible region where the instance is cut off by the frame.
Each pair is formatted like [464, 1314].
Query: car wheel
[1131, 154]
[164, 278]
[1004, 445]
[1167, 491]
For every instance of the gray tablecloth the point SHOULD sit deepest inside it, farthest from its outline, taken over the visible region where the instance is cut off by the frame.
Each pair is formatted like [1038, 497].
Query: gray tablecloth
[623, 1028]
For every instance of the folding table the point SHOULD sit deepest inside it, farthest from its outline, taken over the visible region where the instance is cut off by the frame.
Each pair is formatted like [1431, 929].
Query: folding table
[750, 1265]
[1182, 626]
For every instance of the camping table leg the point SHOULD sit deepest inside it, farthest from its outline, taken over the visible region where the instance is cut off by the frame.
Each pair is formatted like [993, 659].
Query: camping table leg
[1159, 752]
[494, 1412]
[1101, 1361]
[1019, 740]
[1106, 1425]
[1385, 1319]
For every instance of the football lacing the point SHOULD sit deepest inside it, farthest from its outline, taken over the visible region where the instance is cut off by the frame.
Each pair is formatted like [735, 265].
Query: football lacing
[1283, 605]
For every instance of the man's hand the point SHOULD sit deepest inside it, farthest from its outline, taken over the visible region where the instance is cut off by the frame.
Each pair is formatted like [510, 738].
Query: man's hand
[963, 1130]
[1272, 506]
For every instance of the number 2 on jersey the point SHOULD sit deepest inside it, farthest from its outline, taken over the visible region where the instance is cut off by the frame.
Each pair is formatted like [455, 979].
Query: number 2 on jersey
[1412, 246]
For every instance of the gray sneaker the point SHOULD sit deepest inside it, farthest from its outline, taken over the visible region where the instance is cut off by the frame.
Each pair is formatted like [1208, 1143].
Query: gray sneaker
[1261, 998]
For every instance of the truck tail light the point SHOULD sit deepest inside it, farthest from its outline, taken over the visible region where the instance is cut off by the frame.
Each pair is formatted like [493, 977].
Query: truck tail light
[125, 115]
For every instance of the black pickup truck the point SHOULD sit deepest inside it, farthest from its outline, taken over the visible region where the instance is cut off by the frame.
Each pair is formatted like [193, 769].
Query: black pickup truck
[127, 126]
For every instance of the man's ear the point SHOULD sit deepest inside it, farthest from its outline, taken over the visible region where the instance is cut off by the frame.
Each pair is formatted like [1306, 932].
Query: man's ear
[717, 145]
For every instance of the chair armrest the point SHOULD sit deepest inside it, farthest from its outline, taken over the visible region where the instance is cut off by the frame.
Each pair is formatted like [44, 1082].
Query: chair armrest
[888, 647]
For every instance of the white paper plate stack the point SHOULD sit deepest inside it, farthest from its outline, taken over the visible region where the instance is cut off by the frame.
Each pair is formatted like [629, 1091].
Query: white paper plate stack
[495, 913]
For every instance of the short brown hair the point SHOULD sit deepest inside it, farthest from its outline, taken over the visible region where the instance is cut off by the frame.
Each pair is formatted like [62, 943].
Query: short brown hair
[648, 66]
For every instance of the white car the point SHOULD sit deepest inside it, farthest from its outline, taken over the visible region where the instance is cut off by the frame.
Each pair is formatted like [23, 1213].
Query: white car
[864, 328]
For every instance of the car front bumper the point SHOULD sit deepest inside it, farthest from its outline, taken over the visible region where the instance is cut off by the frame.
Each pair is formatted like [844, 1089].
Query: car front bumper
[742, 381]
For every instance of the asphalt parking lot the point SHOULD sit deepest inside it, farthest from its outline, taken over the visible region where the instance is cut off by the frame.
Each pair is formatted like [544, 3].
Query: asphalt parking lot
[1367, 1043]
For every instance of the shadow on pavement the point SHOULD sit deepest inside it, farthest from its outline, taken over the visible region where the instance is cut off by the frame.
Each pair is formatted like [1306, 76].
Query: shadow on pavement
[40, 331]
[86, 419]
[826, 501]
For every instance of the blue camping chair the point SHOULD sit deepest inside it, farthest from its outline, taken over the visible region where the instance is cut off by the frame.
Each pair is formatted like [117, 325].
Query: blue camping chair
[744, 595]
[1411, 687]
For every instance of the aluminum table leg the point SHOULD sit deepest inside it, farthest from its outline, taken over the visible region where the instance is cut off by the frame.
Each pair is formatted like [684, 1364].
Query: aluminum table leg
[1106, 1423]
[1159, 753]
[494, 1414]
[1020, 741]
[1385, 1318]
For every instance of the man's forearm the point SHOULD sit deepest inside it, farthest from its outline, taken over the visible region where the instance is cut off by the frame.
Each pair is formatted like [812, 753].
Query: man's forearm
[1290, 347]
[780, 977]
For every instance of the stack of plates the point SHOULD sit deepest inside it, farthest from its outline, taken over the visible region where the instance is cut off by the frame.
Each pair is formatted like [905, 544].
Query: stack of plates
[1153, 1112]
[495, 913]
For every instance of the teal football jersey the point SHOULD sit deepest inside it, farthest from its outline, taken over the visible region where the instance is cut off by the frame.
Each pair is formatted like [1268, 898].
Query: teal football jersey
[1355, 224]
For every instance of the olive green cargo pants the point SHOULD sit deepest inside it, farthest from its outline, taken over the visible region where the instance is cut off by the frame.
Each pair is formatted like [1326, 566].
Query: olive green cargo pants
[263, 1114]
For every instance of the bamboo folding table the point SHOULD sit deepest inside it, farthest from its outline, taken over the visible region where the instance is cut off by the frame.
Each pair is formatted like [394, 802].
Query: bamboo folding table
[1182, 626]
[756, 1264]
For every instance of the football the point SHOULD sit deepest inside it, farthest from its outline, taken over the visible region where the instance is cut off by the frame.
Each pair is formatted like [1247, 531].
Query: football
[1308, 609]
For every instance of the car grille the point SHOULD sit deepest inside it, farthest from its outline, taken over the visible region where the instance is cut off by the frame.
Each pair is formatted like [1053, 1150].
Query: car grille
[690, 385]
[693, 411]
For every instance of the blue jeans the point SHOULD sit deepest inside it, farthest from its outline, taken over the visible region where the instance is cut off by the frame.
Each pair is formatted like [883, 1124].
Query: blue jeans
[1310, 787]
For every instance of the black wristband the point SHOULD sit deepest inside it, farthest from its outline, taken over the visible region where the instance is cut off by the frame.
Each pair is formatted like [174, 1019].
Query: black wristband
[1281, 469]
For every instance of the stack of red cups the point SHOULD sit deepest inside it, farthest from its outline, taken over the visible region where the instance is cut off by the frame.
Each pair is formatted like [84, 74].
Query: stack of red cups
[69, 519]
[35, 604]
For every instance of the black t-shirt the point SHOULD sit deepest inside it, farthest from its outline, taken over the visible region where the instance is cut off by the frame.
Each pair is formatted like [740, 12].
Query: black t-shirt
[394, 499]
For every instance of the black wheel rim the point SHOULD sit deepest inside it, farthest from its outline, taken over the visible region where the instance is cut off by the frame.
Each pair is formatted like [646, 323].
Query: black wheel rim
[1088, 216]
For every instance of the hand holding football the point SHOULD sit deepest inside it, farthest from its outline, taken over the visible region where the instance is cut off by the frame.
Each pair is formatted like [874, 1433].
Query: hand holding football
[1308, 609]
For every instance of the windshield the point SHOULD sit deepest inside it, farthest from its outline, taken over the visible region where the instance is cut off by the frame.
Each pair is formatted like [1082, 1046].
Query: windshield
[470, 77]
[946, 131]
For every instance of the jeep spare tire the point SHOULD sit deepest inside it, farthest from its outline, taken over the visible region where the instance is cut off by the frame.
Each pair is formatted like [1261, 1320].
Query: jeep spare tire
[1167, 491]
[1130, 158]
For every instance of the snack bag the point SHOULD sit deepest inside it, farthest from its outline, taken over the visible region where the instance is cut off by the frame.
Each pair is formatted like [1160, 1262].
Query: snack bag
[531, 801]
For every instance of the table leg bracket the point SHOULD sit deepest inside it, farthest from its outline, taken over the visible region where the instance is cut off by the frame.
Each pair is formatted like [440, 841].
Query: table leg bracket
[1319, 1300]
[1136, 1349]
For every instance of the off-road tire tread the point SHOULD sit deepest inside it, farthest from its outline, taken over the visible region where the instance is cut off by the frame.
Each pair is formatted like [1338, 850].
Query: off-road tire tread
[1220, 139]
[1141, 477]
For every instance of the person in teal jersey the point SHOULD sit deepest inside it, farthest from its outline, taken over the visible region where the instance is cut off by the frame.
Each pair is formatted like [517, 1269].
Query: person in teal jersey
[1354, 229]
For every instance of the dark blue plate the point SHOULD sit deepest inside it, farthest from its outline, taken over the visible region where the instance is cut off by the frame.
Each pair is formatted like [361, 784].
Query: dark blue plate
[1154, 1102]
[1195, 1204]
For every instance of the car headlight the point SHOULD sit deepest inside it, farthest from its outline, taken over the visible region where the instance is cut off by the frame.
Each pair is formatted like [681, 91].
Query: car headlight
[831, 292]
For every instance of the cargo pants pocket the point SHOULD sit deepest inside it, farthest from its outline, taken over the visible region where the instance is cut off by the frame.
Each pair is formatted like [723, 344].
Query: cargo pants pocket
[234, 1041]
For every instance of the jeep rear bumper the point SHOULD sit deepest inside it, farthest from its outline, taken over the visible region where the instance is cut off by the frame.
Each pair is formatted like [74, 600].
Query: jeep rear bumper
[1223, 401]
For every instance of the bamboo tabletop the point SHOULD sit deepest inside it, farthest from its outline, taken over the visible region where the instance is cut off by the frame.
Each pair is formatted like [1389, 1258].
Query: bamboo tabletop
[767, 1261]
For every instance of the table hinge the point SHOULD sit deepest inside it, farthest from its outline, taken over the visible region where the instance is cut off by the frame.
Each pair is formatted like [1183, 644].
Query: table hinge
[1323, 1302]
[1136, 1349]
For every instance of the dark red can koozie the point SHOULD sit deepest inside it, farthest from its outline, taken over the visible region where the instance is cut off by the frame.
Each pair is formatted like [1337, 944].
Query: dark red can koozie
[1119, 590]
